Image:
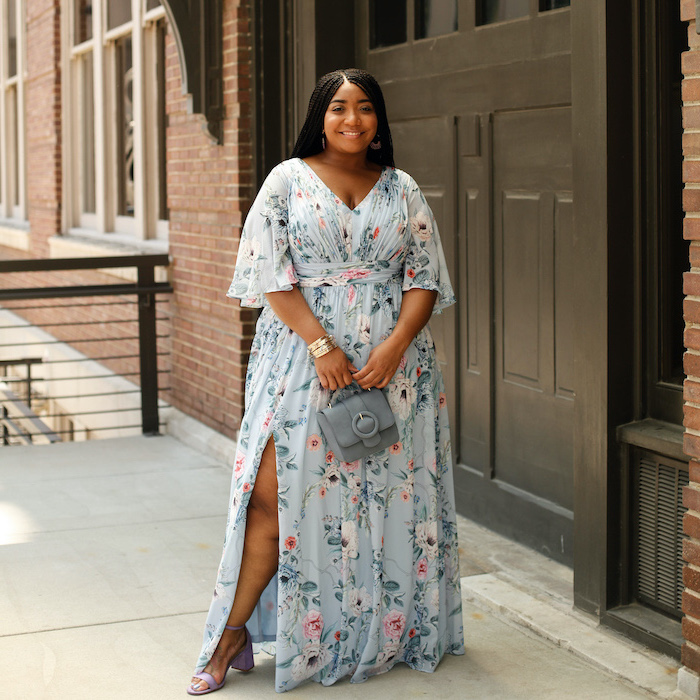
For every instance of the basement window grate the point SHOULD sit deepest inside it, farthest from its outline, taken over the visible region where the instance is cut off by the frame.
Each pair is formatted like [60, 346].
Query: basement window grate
[659, 532]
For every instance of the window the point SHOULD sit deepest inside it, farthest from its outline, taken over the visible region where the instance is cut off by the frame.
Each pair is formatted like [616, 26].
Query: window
[435, 17]
[116, 158]
[489, 11]
[12, 123]
[387, 23]
[553, 4]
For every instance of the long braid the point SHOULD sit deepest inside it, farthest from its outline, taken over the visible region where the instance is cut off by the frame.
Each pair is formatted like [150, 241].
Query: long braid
[309, 140]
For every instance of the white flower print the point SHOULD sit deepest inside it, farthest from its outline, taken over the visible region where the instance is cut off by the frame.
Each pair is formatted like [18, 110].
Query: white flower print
[313, 657]
[402, 395]
[426, 537]
[359, 600]
[248, 251]
[363, 329]
[422, 226]
[332, 475]
[388, 652]
[349, 539]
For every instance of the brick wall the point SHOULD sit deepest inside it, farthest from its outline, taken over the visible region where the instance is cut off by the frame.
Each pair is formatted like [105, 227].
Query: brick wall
[43, 119]
[209, 192]
[690, 64]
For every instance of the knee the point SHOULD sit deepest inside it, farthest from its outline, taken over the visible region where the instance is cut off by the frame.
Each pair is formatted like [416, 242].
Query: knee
[263, 511]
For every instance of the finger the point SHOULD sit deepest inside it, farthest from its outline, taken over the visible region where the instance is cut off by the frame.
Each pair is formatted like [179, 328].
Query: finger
[332, 384]
[347, 378]
[361, 374]
[384, 383]
[352, 367]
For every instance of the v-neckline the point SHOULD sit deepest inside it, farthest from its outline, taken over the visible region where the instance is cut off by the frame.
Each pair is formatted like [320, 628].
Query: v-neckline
[340, 199]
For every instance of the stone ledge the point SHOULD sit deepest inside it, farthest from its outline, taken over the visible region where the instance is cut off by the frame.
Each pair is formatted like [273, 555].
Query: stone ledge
[622, 658]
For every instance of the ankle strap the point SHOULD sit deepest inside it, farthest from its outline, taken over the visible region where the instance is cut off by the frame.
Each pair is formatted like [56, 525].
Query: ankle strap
[230, 627]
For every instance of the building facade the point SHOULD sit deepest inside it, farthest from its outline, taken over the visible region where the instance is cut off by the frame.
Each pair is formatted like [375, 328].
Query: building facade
[556, 143]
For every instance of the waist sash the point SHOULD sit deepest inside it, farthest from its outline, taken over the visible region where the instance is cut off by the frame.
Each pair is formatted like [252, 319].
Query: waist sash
[329, 274]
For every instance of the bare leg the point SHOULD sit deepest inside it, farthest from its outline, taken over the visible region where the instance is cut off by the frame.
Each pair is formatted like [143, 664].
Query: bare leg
[258, 564]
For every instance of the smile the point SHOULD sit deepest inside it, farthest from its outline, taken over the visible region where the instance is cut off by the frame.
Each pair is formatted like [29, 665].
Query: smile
[352, 134]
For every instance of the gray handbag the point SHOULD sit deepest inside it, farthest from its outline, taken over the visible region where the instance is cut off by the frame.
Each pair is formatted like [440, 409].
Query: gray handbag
[359, 425]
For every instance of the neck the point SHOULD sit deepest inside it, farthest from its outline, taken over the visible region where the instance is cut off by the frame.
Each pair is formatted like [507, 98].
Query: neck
[347, 161]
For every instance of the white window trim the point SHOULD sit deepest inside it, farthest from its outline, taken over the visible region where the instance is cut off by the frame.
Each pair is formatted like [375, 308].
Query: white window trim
[144, 225]
[8, 209]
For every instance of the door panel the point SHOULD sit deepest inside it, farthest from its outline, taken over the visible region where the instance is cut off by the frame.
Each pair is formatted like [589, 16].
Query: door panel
[534, 423]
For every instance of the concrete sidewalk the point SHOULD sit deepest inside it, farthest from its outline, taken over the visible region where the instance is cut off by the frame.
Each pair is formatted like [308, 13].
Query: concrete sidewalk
[110, 552]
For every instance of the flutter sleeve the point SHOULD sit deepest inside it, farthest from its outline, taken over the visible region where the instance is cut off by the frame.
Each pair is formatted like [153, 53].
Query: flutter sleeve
[264, 263]
[424, 265]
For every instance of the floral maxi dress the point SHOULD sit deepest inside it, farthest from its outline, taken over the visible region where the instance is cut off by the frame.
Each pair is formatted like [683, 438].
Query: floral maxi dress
[368, 571]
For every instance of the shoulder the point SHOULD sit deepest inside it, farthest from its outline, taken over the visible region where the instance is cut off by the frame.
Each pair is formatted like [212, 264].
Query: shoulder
[283, 173]
[402, 178]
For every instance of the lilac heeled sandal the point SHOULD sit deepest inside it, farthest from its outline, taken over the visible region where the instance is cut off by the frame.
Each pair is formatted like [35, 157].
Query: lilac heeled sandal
[243, 661]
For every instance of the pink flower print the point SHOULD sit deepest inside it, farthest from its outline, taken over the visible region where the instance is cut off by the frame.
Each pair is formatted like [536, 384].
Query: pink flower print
[289, 272]
[418, 371]
[422, 568]
[330, 456]
[405, 496]
[432, 467]
[322, 492]
[337, 635]
[355, 274]
[410, 465]
[351, 294]
[396, 448]
[394, 623]
[352, 466]
[268, 418]
[299, 194]
[312, 624]
[290, 542]
[412, 632]
[240, 464]
[410, 273]
[442, 401]
[313, 442]
[376, 232]
[354, 500]
[246, 487]
[402, 363]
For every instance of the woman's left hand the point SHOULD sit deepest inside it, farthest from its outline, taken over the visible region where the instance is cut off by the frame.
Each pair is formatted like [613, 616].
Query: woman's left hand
[382, 363]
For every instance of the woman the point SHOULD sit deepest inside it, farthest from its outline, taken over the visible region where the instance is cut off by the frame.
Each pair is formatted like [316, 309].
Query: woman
[339, 245]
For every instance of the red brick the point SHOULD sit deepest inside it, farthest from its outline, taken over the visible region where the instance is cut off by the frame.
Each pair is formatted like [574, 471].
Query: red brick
[691, 498]
[691, 578]
[690, 656]
[687, 10]
[691, 524]
[691, 228]
[691, 604]
[691, 198]
[691, 391]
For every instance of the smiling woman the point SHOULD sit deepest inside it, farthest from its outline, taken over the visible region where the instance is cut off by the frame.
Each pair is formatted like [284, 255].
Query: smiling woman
[350, 567]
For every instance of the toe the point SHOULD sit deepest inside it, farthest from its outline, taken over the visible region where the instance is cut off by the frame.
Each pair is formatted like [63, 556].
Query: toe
[199, 684]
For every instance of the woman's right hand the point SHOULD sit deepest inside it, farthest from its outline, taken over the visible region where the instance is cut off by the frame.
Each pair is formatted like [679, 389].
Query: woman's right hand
[333, 369]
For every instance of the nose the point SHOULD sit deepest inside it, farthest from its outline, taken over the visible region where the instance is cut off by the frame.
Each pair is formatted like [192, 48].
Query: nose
[353, 117]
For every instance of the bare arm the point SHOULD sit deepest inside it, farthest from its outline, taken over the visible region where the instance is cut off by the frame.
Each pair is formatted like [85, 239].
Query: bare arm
[416, 308]
[333, 368]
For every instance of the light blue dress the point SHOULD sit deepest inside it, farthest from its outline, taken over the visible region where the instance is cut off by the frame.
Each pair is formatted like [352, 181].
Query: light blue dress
[368, 566]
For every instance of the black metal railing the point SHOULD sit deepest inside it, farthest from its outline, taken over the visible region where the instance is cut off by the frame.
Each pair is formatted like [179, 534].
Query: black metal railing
[102, 328]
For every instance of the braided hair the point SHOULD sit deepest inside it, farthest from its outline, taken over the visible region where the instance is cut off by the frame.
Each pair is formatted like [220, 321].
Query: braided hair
[309, 141]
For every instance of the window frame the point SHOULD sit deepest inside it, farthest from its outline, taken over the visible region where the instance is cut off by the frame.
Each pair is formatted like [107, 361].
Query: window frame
[107, 224]
[13, 184]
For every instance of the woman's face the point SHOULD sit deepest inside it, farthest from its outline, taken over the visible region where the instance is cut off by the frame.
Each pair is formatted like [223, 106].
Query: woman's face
[350, 122]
